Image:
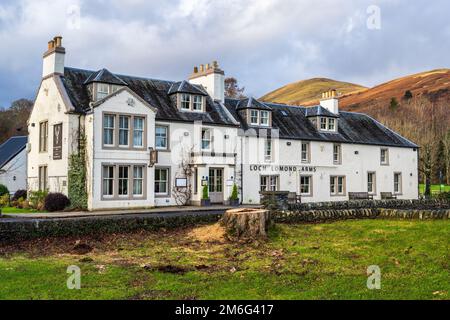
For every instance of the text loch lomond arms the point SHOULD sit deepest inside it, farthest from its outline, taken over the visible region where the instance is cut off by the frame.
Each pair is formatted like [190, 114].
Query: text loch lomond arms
[275, 168]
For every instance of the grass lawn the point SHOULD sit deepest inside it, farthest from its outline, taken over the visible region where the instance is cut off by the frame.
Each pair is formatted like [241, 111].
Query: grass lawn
[434, 188]
[322, 261]
[17, 210]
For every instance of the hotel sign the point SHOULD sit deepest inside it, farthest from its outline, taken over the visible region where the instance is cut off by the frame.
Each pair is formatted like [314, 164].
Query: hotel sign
[279, 168]
[57, 141]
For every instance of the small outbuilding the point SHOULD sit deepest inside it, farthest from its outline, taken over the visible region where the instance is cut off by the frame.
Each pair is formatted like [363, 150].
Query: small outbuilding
[13, 163]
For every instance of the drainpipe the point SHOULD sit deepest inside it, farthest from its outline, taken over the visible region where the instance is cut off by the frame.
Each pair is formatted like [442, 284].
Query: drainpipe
[242, 171]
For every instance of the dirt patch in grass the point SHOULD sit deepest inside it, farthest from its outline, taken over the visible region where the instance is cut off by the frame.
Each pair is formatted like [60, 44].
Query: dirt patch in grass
[209, 234]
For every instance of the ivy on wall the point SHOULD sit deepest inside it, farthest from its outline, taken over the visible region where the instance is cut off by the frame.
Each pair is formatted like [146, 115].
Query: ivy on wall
[77, 177]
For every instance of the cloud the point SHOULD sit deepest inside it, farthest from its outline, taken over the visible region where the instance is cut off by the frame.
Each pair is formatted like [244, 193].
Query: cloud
[264, 43]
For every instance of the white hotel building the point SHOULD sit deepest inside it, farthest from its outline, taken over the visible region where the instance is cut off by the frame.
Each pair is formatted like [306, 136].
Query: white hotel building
[155, 143]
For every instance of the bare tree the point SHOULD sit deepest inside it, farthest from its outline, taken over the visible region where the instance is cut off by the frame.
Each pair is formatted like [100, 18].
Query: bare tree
[232, 89]
[183, 195]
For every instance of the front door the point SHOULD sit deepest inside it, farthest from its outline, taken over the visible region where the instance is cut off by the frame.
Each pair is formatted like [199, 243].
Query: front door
[216, 185]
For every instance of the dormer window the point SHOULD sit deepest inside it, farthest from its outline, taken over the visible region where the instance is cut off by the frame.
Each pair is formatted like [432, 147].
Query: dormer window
[254, 117]
[328, 124]
[265, 118]
[185, 101]
[102, 90]
[259, 118]
[197, 103]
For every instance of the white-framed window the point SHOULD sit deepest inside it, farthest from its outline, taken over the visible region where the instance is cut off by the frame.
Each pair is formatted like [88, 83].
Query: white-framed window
[206, 139]
[108, 181]
[43, 136]
[138, 180]
[123, 180]
[337, 185]
[124, 131]
[305, 152]
[254, 117]
[337, 154]
[384, 156]
[43, 178]
[331, 124]
[265, 118]
[323, 124]
[269, 183]
[268, 146]
[197, 103]
[185, 101]
[162, 137]
[108, 129]
[161, 181]
[306, 185]
[138, 132]
[102, 90]
[371, 183]
[397, 183]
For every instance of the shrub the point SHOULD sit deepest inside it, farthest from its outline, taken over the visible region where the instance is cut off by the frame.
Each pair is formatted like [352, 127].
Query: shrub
[205, 194]
[56, 202]
[443, 196]
[20, 194]
[4, 200]
[36, 199]
[3, 190]
[234, 193]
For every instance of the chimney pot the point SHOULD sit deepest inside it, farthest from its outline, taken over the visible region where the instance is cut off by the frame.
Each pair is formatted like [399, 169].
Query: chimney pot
[202, 68]
[51, 45]
[195, 69]
[58, 41]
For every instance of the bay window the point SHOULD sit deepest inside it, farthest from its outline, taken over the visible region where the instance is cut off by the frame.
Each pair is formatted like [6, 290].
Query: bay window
[138, 132]
[138, 181]
[185, 101]
[123, 180]
[197, 103]
[124, 130]
[254, 117]
[264, 118]
[108, 129]
[108, 181]
[102, 90]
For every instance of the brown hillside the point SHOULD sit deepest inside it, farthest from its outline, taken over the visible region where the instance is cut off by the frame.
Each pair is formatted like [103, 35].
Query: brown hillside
[299, 92]
[431, 84]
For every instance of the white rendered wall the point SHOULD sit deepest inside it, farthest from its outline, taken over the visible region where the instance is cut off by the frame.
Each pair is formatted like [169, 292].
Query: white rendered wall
[118, 104]
[16, 168]
[53, 63]
[354, 167]
[49, 106]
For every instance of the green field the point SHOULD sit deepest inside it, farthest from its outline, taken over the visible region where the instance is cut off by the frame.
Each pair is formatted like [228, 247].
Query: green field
[434, 189]
[17, 210]
[323, 261]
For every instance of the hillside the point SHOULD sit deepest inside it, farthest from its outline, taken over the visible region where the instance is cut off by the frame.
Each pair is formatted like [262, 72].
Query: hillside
[309, 90]
[431, 84]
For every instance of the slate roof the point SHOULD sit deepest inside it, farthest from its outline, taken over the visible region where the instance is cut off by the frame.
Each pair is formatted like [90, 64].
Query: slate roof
[252, 103]
[319, 111]
[293, 123]
[154, 92]
[104, 76]
[186, 87]
[11, 148]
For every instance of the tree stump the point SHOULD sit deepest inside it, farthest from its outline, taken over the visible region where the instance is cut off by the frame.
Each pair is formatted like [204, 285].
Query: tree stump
[247, 224]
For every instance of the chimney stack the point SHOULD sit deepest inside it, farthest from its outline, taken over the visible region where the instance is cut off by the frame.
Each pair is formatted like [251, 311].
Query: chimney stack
[212, 78]
[330, 101]
[54, 58]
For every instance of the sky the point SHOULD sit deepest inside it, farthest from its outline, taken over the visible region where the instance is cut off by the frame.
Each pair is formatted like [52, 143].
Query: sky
[265, 44]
